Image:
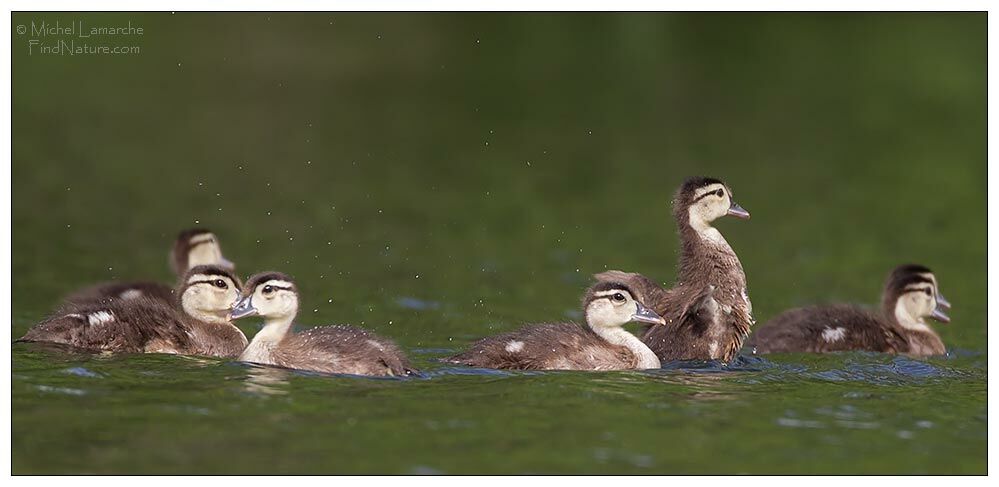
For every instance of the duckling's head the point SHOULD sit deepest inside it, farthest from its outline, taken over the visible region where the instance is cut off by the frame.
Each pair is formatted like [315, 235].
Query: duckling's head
[268, 294]
[701, 200]
[911, 295]
[612, 304]
[194, 247]
[208, 293]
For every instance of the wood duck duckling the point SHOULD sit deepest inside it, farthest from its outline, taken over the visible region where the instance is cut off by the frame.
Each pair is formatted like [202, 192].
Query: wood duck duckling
[339, 349]
[193, 247]
[603, 344]
[708, 312]
[910, 296]
[147, 325]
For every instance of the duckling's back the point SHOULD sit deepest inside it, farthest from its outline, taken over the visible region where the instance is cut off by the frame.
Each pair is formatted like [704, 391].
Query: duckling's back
[130, 326]
[546, 346]
[342, 349]
[832, 328]
[112, 290]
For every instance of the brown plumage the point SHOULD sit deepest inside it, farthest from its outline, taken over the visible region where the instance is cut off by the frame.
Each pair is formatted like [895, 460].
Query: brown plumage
[147, 325]
[180, 259]
[562, 346]
[842, 327]
[708, 312]
[340, 349]
[546, 346]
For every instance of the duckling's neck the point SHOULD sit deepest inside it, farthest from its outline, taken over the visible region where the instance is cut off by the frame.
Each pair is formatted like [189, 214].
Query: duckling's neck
[616, 335]
[910, 321]
[704, 230]
[267, 339]
[704, 252]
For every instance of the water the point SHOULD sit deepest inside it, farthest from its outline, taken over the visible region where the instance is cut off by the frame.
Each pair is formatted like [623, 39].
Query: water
[439, 178]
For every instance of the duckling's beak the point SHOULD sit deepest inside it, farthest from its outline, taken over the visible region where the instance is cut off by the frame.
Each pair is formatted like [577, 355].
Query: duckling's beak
[646, 315]
[942, 301]
[243, 308]
[939, 315]
[226, 264]
[738, 211]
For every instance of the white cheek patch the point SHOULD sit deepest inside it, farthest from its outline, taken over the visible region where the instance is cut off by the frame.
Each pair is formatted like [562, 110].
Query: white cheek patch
[100, 318]
[831, 335]
[130, 294]
[204, 254]
[514, 346]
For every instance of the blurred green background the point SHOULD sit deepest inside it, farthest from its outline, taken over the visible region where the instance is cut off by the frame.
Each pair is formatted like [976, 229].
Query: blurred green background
[441, 177]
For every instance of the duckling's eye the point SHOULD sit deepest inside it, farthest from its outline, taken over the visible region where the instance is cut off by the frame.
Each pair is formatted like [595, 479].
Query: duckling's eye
[219, 283]
[268, 289]
[720, 192]
[928, 292]
[618, 298]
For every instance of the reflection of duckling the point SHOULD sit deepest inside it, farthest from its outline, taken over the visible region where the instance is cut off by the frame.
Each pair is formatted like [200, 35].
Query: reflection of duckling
[149, 325]
[910, 296]
[708, 313]
[603, 345]
[193, 247]
[269, 381]
[339, 349]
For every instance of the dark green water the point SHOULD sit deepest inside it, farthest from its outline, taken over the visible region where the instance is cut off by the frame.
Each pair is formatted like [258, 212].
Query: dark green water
[438, 178]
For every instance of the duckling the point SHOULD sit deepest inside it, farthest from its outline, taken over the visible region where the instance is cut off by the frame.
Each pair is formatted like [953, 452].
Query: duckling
[193, 247]
[148, 325]
[339, 349]
[910, 296]
[708, 312]
[603, 345]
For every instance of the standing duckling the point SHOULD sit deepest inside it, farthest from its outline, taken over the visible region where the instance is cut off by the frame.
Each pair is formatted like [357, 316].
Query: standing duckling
[339, 349]
[147, 325]
[193, 247]
[602, 345]
[708, 313]
[910, 296]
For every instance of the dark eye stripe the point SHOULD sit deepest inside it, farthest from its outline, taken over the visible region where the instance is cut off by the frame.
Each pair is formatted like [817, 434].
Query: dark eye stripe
[710, 193]
[212, 282]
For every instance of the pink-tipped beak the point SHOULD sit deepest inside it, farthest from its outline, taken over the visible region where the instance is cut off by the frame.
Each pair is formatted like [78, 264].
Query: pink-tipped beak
[738, 211]
[940, 316]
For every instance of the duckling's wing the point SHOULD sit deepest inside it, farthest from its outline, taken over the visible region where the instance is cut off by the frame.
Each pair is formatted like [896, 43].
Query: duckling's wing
[688, 313]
